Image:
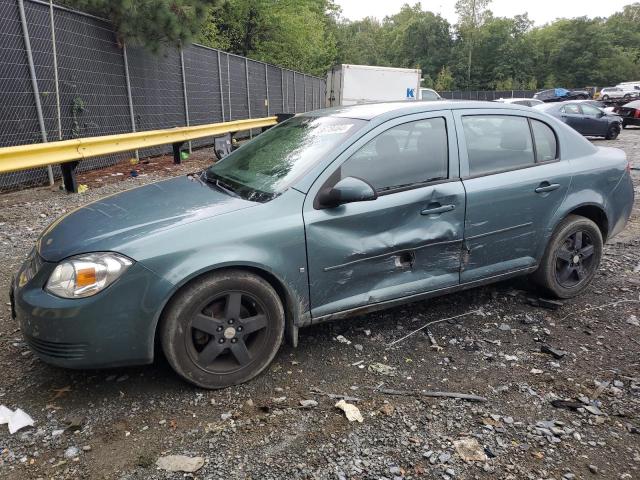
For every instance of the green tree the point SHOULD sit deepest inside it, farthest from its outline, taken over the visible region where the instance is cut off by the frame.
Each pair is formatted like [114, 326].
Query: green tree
[151, 23]
[471, 16]
[444, 81]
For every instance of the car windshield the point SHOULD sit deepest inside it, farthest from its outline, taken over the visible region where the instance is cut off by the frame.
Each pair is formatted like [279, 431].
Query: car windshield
[265, 166]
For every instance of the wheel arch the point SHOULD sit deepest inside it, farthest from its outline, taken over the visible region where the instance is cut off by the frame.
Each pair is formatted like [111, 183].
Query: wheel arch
[296, 312]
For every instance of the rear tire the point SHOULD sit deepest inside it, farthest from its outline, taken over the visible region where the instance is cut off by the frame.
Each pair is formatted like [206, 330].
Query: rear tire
[571, 258]
[605, 98]
[223, 329]
[613, 132]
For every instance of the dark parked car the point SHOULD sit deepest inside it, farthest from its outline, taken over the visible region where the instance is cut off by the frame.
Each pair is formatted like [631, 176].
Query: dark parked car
[327, 215]
[630, 113]
[585, 118]
[561, 94]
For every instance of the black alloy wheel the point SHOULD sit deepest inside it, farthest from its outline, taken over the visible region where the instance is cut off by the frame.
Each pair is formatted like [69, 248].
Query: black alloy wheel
[575, 260]
[223, 328]
[228, 333]
[571, 258]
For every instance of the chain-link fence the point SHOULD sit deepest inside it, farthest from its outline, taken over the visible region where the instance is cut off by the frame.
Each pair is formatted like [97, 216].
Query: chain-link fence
[70, 67]
[486, 94]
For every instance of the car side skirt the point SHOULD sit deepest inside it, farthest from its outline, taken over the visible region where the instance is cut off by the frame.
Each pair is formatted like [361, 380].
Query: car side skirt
[374, 307]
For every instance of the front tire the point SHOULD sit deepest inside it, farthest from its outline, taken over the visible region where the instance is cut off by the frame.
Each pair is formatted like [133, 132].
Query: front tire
[605, 98]
[613, 132]
[223, 329]
[571, 258]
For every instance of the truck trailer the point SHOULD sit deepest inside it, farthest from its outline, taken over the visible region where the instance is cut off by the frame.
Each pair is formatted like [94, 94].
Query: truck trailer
[356, 84]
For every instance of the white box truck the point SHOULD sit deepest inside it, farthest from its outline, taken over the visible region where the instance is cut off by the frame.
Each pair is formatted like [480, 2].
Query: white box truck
[354, 84]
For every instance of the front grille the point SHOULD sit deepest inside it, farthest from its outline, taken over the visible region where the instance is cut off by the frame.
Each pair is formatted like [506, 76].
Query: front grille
[68, 351]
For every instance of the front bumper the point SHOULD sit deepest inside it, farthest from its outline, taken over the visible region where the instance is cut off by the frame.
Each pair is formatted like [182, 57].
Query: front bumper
[116, 327]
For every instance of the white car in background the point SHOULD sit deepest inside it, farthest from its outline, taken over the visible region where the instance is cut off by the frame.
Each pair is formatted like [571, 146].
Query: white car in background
[527, 102]
[615, 93]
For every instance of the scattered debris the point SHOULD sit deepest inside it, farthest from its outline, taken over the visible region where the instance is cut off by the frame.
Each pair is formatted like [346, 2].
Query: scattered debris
[342, 339]
[433, 342]
[567, 404]
[335, 396]
[308, 403]
[71, 453]
[536, 371]
[478, 311]
[428, 393]
[557, 354]
[633, 320]
[387, 409]
[544, 303]
[351, 411]
[382, 369]
[470, 450]
[180, 463]
[16, 420]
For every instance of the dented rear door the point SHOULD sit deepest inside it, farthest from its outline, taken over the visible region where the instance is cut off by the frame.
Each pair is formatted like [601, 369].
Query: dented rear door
[406, 242]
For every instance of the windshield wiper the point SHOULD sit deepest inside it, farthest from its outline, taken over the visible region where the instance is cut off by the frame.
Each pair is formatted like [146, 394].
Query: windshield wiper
[221, 184]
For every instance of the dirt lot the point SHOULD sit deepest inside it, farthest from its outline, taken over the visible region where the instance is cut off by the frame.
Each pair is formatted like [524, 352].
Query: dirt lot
[117, 423]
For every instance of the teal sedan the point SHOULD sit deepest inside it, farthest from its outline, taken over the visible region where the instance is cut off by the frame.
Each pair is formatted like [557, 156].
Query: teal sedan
[329, 214]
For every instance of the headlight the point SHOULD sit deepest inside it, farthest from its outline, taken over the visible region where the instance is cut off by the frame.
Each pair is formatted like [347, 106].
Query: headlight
[86, 275]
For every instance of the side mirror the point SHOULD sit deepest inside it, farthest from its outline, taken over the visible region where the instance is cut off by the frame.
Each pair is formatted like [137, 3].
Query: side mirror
[347, 190]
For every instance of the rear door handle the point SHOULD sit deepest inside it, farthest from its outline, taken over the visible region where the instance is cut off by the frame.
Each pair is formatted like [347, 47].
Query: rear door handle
[437, 210]
[547, 187]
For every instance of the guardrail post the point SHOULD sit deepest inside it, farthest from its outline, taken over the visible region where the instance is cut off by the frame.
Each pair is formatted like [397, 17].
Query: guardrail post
[69, 176]
[177, 152]
[184, 92]
[220, 83]
[34, 81]
[129, 96]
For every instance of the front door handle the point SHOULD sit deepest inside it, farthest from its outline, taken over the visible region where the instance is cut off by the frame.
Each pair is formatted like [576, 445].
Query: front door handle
[547, 187]
[437, 210]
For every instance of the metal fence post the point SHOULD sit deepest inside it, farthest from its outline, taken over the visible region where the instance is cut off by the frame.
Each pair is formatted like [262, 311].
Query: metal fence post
[55, 67]
[229, 87]
[220, 83]
[282, 86]
[34, 81]
[246, 77]
[295, 99]
[129, 96]
[304, 91]
[184, 91]
[266, 82]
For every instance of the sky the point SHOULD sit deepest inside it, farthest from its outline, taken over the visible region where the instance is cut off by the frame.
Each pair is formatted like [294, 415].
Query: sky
[540, 11]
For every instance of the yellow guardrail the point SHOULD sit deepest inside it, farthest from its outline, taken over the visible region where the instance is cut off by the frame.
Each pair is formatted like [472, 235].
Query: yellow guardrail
[23, 157]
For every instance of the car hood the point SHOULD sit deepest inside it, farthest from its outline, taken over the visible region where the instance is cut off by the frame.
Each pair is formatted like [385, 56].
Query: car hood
[110, 223]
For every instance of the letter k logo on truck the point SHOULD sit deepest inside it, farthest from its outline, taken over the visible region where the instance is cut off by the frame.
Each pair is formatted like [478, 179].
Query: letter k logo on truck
[410, 92]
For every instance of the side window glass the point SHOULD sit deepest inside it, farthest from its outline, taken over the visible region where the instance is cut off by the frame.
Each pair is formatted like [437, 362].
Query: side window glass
[572, 108]
[404, 155]
[546, 143]
[589, 110]
[497, 142]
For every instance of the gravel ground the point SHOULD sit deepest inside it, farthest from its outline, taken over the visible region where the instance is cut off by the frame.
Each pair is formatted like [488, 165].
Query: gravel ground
[117, 423]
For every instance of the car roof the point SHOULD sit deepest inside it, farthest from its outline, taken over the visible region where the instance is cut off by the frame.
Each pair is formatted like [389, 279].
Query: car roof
[369, 111]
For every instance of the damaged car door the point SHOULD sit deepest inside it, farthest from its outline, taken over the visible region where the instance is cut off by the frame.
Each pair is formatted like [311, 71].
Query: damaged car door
[515, 182]
[404, 241]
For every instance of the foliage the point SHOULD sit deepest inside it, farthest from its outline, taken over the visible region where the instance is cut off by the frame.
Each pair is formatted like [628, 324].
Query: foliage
[152, 23]
[480, 52]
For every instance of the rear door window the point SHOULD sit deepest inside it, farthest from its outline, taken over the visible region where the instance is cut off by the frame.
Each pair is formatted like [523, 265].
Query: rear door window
[571, 109]
[497, 143]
